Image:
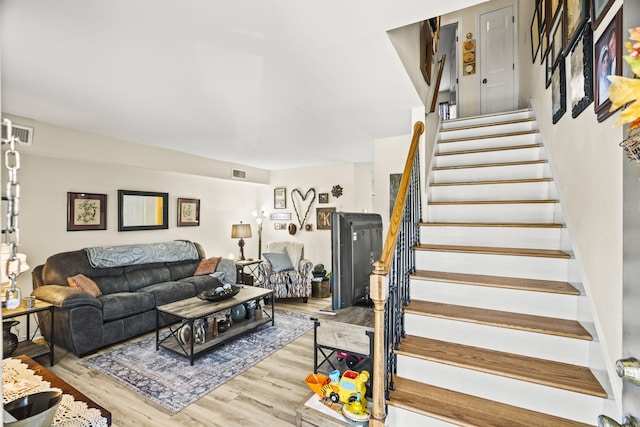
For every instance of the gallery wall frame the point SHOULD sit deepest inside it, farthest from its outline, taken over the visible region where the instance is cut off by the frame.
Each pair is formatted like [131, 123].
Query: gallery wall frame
[556, 36]
[426, 51]
[607, 63]
[576, 15]
[142, 210]
[535, 33]
[323, 218]
[279, 198]
[558, 92]
[86, 211]
[599, 9]
[188, 212]
[581, 72]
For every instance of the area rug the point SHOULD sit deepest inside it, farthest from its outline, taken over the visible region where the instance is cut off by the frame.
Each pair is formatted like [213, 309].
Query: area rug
[168, 380]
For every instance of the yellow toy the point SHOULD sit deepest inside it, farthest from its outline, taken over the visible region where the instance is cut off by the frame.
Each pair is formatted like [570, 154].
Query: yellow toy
[349, 388]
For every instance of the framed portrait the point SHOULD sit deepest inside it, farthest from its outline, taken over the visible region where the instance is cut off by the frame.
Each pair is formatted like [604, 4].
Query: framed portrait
[426, 51]
[607, 61]
[535, 35]
[599, 9]
[323, 218]
[188, 212]
[86, 211]
[323, 198]
[581, 72]
[280, 198]
[558, 92]
[576, 14]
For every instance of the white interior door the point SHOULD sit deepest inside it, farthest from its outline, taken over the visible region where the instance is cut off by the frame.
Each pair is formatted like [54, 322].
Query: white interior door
[497, 66]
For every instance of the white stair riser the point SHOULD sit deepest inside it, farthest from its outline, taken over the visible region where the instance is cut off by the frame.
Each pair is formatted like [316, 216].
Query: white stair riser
[516, 212]
[505, 191]
[512, 237]
[494, 265]
[510, 300]
[516, 155]
[399, 417]
[543, 346]
[535, 397]
[488, 130]
[498, 141]
[535, 170]
[489, 118]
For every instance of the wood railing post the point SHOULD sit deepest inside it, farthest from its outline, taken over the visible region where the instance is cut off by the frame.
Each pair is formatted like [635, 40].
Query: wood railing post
[378, 293]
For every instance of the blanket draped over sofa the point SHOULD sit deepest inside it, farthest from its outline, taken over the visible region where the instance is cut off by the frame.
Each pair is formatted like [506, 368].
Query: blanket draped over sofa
[130, 291]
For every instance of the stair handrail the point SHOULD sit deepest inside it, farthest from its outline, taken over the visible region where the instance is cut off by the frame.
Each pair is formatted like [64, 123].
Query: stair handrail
[389, 281]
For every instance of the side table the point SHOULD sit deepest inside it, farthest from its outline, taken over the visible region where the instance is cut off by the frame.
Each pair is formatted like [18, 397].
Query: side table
[251, 277]
[28, 347]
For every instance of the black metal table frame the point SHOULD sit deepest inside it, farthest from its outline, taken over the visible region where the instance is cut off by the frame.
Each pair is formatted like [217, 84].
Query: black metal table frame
[27, 312]
[326, 357]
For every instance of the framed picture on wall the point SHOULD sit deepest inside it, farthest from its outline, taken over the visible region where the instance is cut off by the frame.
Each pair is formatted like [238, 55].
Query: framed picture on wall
[599, 9]
[535, 35]
[558, 92]
[323, 218]
[576, 14]
[280, 198]
[607, 61]
[86, 211]
[581, 72]
[188, 212]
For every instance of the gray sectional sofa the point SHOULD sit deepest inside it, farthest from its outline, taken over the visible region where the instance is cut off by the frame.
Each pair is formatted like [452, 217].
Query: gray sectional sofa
[132, 285]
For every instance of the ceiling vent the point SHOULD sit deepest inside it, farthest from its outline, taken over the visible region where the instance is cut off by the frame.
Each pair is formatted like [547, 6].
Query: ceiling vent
[23, 133]
[238, 174]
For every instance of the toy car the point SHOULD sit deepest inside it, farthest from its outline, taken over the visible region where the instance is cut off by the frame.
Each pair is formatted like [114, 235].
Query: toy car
[350, 387]
[350, 359]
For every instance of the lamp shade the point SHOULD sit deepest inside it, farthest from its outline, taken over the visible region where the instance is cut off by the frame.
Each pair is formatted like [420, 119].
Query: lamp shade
[13, 267]
[240, 231]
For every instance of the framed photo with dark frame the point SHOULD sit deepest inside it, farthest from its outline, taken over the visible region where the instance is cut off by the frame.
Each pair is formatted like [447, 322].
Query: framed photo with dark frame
[581, 72]
[548, 70]
[323, 218]
[607, 61]
[86, 211]
[576, 14]
[556, 36]
[188, 212]
[323, 198]
[535, 34]
[426, 51]
[599, 9]
[558, 92]
[280, 198]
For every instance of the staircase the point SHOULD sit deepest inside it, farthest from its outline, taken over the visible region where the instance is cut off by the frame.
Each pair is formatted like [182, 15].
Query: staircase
[496, 330]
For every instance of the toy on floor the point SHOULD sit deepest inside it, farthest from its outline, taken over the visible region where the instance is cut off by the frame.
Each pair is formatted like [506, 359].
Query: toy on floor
[350, 359]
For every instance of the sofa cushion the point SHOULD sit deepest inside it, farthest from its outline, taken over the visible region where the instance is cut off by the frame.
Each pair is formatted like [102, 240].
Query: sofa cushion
[181, 269]
[167, 292]
[279, 261]
[207, 266]
[140, 276]
[66, 264]
[82, 282]
[112, 284]
[124, 304]
[203, 283]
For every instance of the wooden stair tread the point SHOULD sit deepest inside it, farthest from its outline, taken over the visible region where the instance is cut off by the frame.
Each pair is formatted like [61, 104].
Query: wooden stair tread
[467, 410]
[495, 181]
[533, 285]
[487, 150]
[484, 125]
[489, 165]
[492, 202]
[494, 224]
[497, 135]
[491, 250]
[549, 373]
[503, 319]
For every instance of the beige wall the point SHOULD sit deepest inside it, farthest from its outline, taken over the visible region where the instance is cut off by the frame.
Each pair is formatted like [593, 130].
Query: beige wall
[63, 160]
[587, 166]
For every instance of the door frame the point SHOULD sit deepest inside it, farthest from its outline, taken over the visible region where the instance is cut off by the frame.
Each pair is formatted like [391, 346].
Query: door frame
[516, 56]
[457, 21]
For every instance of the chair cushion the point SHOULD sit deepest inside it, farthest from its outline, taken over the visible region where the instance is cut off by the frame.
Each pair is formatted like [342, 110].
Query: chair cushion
[280, 261]
[293, 249]
[82, 282]
[207, 266]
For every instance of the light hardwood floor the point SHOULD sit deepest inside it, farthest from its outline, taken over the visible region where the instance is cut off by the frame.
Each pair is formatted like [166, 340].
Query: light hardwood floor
[267, 394]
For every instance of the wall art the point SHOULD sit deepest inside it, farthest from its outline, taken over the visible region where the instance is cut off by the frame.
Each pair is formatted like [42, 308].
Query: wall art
[599, 9]
[280, 198]
[558, 92]
[284, 216]
[86, 211]
[188, 212]
[581, 72]
[323, 218]
[323, 198]
[608, 61]
[576, 14]
[299, 204]
[535, 33]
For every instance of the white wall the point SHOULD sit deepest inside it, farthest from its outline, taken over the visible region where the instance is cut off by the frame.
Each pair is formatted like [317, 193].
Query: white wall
[587, 166]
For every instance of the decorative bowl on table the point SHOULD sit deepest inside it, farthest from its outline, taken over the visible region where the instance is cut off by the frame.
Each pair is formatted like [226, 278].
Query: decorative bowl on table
[220, 293]
[33, 410]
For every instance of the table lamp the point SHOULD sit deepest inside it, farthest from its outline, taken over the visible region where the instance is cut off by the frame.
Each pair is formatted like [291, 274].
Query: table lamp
[240, 231]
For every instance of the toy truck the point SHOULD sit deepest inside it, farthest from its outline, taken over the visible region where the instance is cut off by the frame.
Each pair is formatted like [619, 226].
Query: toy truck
[348, 388]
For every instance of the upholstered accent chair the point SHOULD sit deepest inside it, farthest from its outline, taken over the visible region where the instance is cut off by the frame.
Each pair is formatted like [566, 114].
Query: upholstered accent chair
[285, 270]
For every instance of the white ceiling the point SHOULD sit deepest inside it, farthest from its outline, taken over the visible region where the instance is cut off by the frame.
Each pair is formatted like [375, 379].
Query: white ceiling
[270, 84]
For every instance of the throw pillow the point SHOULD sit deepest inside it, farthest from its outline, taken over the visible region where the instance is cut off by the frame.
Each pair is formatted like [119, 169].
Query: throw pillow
[207, 266]
[82, 282]
[280, 261]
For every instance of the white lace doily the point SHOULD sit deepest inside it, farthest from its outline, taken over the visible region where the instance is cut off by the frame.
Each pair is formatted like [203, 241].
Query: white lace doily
[18, 380]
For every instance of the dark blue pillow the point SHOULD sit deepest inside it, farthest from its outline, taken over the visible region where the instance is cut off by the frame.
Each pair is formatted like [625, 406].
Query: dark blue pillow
[280, 261]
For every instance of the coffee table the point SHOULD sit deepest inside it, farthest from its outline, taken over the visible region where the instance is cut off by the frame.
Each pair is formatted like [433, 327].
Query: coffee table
[194, 308]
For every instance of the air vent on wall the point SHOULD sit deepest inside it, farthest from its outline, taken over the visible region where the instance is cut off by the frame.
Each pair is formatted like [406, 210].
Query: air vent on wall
[24, 133]
[238, 174]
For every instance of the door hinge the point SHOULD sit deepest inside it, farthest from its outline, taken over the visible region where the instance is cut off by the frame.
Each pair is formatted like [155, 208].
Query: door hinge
[513, 19]
[513, 66]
